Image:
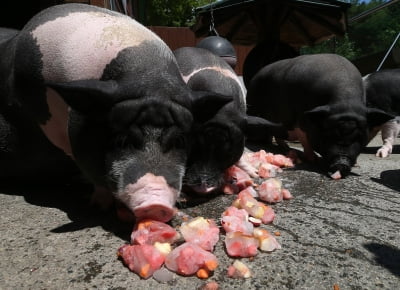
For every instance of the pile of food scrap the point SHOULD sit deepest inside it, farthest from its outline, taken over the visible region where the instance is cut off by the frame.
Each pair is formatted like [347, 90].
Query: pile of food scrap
[188, 250]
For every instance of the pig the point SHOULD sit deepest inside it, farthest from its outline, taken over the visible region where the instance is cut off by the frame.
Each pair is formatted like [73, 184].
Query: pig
[382, 90]
[107, 92]
[320, 100]
[218, 139]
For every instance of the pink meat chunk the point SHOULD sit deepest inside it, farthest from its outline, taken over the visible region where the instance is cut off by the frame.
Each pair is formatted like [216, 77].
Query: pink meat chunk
[261, 156]
[189, 258]
[200, 231]
[267, 242]
[235, 175]
[238, 270]
[143, 260]
[266, 170]
[150, 198]
[151, 231]
[270, 190]
[256, 209]
[240, 245]
[286, 194]
[236, 220]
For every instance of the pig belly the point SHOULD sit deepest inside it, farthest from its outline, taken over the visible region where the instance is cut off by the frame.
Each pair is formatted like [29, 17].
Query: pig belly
[150, 197]
[390, 130]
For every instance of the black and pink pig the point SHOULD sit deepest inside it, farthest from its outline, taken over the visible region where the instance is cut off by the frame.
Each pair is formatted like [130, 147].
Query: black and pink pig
[106, 91]
[218, 136]
[320, 100]
[382, 89]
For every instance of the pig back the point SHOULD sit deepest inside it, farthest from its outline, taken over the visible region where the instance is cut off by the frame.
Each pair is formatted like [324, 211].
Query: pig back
[205, 71]
[283, 90]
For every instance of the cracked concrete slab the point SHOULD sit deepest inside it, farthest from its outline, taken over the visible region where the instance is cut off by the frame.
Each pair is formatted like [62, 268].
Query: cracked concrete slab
[343, 233]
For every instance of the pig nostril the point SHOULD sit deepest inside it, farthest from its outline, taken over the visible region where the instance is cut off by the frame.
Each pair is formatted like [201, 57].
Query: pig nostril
[341, 164]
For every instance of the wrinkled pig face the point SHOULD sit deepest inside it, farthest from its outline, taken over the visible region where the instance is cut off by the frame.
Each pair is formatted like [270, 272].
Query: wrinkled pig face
[146, 157]
[216, 147]
[135, 147]
[339, 133]
[339, 139]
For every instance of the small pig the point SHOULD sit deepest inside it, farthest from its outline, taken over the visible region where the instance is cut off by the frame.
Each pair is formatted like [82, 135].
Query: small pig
[320, 100]
[218, 139]
[382, 91]
[108, 92]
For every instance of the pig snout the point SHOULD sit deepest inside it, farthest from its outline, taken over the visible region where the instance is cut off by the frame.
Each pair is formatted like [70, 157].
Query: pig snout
[150, 197]
[340, 167]
[202, 181]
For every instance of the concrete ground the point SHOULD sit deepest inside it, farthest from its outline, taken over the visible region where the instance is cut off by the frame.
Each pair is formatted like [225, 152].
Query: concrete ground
[341, 234]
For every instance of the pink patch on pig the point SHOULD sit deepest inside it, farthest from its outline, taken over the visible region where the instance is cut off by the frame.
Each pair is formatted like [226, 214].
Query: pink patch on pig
[226, 72]
[81, 44]
[56, 129]
[150, 197]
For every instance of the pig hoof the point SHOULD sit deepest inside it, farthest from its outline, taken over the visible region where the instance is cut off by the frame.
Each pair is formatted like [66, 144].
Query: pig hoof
[382, 153]
[157, 212]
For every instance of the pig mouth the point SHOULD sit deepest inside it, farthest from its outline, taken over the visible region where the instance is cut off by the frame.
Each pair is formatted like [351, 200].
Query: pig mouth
[150, 197]
[340, 167]
[202, 189]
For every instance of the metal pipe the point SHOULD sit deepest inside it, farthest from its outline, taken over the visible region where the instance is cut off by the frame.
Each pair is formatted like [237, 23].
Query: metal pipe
[387, 53]
[372, 10]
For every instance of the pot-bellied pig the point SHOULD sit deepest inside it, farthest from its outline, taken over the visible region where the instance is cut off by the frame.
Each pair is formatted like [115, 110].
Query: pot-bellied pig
[218, 138]
[108, 92]
[320, 100]
[382, 91]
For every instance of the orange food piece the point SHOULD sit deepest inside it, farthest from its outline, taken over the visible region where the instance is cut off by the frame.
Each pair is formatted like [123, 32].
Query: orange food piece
[203, 273]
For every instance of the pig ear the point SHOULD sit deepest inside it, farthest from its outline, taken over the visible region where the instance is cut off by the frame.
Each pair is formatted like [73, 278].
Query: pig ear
[258, 128]
[87, 95]
[316, 114]
[206, 104]
[377, 117]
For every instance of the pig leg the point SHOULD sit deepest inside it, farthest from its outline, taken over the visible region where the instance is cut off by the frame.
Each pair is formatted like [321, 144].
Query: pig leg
[309, 153]
[299, 135]
[390, 131]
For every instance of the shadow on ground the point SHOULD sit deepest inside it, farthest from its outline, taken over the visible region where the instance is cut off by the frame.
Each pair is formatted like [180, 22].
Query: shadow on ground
[74, 199]
[389, 178]
[386, 256]
[373, 149]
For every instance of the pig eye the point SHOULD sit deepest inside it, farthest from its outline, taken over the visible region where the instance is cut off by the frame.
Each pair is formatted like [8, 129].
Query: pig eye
[180, 142]
[135, 136]
[172, 138]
